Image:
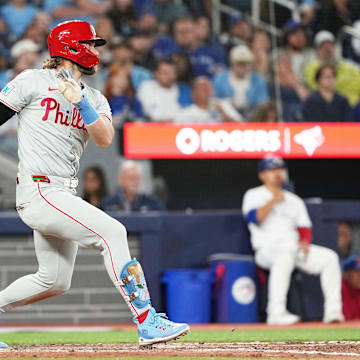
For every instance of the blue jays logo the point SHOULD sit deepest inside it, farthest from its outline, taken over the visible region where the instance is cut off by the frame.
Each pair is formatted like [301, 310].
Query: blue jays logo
[7, 89]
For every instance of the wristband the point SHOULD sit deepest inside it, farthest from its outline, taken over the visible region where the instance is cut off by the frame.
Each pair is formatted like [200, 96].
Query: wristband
[88, 113]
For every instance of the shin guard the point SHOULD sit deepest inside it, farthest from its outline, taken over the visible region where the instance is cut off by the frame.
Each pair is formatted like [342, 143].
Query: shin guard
[134, 288]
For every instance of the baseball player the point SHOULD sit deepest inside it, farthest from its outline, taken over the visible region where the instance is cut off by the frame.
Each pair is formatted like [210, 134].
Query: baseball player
[57, 114]
[281, 236]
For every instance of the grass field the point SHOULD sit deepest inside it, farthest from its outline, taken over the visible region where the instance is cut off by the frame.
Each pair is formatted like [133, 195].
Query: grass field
[202, 336]
[113, 337]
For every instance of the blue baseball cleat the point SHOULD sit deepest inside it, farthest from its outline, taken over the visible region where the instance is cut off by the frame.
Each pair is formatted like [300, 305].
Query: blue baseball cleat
[3, 345]
[156, 328]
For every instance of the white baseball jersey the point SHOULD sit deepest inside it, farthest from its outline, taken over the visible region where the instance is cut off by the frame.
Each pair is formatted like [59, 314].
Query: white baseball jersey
[52, 135]
[280, 226]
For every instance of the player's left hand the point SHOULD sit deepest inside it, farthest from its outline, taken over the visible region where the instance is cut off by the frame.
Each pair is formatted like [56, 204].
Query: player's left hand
[68, 86]
[304, 247]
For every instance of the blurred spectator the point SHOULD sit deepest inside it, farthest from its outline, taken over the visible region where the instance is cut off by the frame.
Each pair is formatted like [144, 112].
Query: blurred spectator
[128, 197]
[206, 108]
[124, 56]
[281, 236]
[244, 87]
[295, 50]
[184, 71]
[345, 238]
[4, 72]
[26, 55]
[148, 22]
[121, 96]
[334, 14]
[18, 15]
[86, 10]
[163, 97]
[207, 59]
[265, 112]
[123, 15]
[289, 71]
[347, 73]
[8, 137]
[105, 29]
[141, 42]
[5, 38]
[239, 32]
[125, 107]
[325, 104]
[203, 29]
[95, 188]
[166, 11]
[260, 47]
[351, 288]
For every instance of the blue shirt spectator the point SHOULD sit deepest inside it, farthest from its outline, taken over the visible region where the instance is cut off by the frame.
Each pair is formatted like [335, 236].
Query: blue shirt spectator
[18, 16]
[245, 88]
[207, 59]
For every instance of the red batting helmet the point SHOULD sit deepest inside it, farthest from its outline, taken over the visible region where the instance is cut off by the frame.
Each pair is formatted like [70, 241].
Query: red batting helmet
[65, 40]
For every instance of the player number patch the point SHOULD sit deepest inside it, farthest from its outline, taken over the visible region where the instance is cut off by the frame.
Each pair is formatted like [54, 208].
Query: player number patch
[7, 89]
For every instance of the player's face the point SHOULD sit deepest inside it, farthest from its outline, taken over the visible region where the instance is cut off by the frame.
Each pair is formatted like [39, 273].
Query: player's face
[273, 177]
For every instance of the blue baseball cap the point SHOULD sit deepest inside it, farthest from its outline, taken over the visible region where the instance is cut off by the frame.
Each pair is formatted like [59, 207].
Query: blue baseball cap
[270, 162]
[236, 17]
[351, 263]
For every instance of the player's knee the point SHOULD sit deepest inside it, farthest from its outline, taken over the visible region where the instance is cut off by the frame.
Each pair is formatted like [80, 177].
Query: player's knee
[116, 232]
[57, 281]
[61, 286]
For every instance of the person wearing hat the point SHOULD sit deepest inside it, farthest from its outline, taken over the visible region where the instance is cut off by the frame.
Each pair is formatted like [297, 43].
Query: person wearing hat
[244, 87]
[347, 72]
[351, 287]
[295, 48]
[280, 233]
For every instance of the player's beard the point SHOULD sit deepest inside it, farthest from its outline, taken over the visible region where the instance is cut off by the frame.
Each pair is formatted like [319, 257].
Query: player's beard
[87, 71]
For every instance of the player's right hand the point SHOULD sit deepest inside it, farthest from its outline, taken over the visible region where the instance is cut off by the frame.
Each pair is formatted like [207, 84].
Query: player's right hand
[68, 86]
[278, 196]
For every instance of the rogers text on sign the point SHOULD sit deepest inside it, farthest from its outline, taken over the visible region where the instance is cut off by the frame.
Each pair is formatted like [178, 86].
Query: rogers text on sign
[189, 141]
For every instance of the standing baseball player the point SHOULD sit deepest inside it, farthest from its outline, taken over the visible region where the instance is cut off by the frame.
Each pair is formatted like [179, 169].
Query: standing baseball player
[281, 236]
[57, 114]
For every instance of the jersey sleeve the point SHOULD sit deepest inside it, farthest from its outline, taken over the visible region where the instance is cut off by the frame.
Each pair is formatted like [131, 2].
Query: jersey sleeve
[251, 201]
[19, 91]
[303, 219]
[103, 107]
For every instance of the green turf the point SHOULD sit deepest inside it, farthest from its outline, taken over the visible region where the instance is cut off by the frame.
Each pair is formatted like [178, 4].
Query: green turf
[110, 337]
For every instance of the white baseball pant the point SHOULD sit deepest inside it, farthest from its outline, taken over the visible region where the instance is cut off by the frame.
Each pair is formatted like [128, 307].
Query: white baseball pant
[281, 262]
[61, 221]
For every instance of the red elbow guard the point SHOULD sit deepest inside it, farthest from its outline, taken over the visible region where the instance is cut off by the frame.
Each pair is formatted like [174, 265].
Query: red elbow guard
[305, 234]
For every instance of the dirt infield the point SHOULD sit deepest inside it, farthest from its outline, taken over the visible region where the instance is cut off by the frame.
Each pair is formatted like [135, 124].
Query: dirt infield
[309, 350]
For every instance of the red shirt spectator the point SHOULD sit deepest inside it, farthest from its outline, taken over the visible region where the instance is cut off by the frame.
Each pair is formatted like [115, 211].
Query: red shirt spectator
[351, 287]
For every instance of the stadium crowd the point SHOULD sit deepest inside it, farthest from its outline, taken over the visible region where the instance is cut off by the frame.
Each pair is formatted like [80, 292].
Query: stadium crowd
[167, 49]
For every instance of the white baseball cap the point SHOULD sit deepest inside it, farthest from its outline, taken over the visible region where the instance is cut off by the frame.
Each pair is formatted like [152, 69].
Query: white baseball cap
[241, 53]
[23, 46]
[323, 36]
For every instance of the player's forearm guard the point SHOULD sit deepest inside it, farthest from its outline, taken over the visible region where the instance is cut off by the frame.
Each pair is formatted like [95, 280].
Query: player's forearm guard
[133, 282]
[88, 113]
